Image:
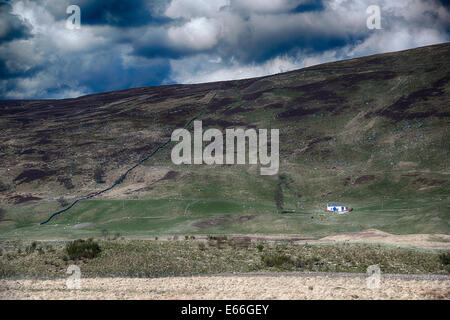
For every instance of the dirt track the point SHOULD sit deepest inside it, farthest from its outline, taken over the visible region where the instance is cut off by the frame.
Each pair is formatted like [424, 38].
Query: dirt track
[269, 286]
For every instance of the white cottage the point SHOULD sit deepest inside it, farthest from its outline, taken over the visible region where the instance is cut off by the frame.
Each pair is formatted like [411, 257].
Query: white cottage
[337, 207]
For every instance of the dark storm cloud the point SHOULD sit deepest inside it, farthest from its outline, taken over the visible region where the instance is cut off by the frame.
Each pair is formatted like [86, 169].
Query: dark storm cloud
[313, 5]
[123, 13]
[445, 3]
[11, 26]
[117, 13]
[124, 44]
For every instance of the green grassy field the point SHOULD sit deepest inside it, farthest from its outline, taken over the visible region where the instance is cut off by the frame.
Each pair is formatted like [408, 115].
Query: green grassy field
[167, 216]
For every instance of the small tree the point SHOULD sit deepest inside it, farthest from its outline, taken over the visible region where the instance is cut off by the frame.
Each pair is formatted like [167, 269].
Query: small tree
[63, 202]
[279, 197]
[3, 187]
[99, 173]
[66, 182]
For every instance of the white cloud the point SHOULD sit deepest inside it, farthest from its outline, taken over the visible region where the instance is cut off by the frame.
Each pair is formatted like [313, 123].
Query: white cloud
[189, 70]
[210, 40]
[266, 6]
[197, 34]
[194, 8]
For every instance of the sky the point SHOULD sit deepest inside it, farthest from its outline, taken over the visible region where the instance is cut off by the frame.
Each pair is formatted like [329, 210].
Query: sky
[127, 44]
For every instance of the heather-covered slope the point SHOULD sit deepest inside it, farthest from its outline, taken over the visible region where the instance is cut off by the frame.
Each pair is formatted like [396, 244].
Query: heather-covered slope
[371, 132]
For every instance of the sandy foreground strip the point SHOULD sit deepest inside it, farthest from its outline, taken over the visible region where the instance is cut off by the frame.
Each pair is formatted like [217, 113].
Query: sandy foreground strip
[280, 286]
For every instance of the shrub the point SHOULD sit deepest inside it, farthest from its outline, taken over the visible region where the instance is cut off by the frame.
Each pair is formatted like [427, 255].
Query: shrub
[80, 249]
[3, 187]
[98, 175]
[276, 260]
[220, 240]
[202, 246]
[279, 198]
[63, 202]
[260, 247]
[31, 247]
[445, 258]
[66, 182]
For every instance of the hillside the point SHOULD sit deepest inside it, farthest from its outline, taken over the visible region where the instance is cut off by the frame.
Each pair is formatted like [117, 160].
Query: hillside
[371, 132]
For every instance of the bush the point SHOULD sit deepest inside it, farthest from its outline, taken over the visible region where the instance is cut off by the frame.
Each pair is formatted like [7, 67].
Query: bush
[63, 202]
[31, 247]
[66, 182]
[220, 241]
[445, 258]
[98, 175]
[80, 249]
[276, 260]
[3, 187]
[260, 247]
